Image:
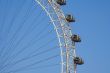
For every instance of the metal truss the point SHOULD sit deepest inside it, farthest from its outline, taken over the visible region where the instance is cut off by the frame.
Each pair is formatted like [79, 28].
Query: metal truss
[63, 31]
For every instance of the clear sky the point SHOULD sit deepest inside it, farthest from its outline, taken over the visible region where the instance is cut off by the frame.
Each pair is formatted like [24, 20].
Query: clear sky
[25, 28]
[93, 22]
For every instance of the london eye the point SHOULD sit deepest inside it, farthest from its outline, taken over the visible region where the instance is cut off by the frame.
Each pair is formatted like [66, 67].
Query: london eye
[36, 36]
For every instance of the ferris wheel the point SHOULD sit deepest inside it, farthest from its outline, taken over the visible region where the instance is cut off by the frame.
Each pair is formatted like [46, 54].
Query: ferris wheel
[66, 40]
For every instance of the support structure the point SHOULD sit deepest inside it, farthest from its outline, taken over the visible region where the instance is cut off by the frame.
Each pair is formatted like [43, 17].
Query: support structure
[63, 31]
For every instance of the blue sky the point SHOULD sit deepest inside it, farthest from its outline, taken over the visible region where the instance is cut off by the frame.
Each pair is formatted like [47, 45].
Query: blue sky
[93, 24]
[19, 26]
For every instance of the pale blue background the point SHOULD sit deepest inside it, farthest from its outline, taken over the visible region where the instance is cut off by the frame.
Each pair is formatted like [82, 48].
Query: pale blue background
[92, 24]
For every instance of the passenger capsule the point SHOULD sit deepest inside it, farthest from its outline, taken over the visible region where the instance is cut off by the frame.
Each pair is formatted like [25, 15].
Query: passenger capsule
[78, 61]
[70, 18]
[61, 2]
[75, 38]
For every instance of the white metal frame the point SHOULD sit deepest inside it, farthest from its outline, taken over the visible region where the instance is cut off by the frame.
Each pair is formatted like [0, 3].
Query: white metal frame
[63, 32]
